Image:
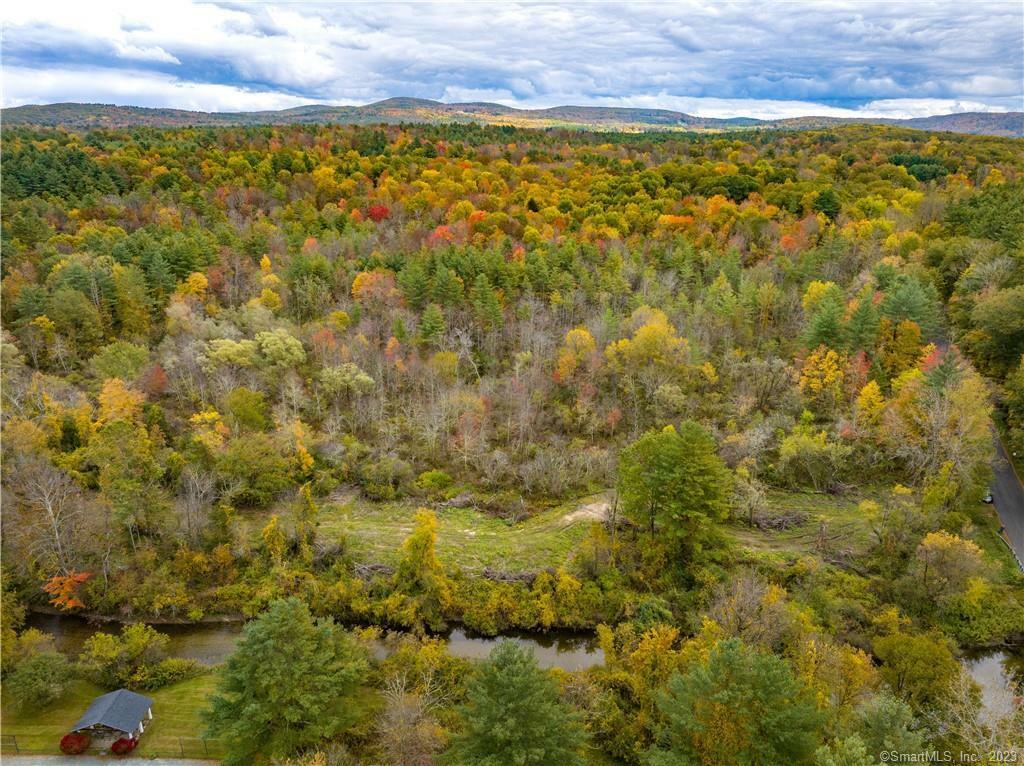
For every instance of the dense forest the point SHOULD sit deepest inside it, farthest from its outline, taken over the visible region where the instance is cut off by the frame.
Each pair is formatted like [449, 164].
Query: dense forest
[726, 400]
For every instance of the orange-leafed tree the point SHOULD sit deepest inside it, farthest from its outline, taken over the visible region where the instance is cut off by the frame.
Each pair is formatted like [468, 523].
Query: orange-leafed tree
[64, 590]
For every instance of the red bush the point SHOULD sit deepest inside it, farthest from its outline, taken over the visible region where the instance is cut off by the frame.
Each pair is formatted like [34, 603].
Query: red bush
[378, 213]
[123, 746]
[73, 744]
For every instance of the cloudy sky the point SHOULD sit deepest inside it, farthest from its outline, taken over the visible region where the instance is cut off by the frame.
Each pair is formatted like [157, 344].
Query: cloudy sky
[764, 59]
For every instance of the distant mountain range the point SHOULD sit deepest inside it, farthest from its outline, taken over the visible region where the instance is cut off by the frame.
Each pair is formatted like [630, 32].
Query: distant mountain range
[395, 110]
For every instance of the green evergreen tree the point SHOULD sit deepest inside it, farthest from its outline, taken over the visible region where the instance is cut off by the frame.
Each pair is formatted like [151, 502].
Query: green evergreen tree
[447, 289]
[513, 716]
[486, 304]
[909, 299]
[827, 202]
[674, 479]
[861, 332]
[285, 686]
[741, 707]
[826, 325]
[885, 722]
[415, 284]
[850, 751]
[431, 325]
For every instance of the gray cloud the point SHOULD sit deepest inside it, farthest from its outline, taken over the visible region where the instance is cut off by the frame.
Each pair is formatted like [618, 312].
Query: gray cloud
[711, 56]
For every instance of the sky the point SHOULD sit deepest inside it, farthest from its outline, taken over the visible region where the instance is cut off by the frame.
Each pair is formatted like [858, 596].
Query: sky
[902, 58]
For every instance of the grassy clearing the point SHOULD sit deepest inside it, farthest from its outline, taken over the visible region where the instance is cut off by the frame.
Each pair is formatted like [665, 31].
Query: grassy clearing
[473, 540]
[834, 516]
[846, 529]
[176, 728]
[374, 533]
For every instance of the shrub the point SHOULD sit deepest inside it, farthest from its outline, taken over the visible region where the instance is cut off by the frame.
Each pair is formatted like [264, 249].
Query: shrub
[169, 671]
[434, 482]
[983, 614]
[38, 680]
[386, 478]
[123, 746]
[114, 661]
[74, 743]
[134, 659]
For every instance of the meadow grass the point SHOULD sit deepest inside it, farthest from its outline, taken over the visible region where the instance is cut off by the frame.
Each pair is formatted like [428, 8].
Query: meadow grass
[373, 533]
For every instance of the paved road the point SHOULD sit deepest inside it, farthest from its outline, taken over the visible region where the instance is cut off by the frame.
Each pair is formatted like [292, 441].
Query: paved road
[1008, 495]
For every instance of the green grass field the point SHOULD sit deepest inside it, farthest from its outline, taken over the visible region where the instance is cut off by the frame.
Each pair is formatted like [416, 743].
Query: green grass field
[473, 540]
[176, 728]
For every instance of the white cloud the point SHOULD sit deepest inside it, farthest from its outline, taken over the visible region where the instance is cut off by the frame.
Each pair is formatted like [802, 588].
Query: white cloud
[699, 57]
[453, 95]
[137, 88]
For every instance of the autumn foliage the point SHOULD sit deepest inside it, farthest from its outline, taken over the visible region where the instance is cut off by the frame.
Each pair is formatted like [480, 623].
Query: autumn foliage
[74, 743]
[63, 590]
[123, 746]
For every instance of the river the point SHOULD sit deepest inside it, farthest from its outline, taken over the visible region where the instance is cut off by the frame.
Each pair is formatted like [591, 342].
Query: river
[1000, 675]
[211, 643]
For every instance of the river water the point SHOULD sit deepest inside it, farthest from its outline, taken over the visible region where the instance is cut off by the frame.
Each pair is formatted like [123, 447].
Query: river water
[211, 643]
[1000, 675]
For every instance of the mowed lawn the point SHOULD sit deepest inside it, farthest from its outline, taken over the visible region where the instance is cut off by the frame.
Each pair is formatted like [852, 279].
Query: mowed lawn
[176, 728]
[471, 539]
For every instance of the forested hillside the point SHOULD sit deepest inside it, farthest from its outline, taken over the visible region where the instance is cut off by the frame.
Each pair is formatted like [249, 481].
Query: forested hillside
[76, 116]
[725, 399]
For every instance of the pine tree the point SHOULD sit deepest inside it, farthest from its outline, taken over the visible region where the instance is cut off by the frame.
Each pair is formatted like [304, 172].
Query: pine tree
[432, 325]
[740, 706]
[909, 299]
[447, 288]
[826, 325]
[513, 716]
[285, 685]
[827, 202]
[675, 479]
[415, 284]
[486, 304]
[862, 330]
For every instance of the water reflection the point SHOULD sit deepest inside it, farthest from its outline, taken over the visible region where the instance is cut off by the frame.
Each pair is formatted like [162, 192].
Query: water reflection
[1000, 675]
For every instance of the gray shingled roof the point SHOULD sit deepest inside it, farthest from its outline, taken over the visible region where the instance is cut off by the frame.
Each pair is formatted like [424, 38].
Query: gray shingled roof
[121, 710]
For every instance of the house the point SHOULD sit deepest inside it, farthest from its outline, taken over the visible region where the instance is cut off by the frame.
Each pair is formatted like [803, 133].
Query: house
[117, 714]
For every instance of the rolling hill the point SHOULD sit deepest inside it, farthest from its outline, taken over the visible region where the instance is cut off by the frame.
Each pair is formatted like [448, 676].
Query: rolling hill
[394, 110]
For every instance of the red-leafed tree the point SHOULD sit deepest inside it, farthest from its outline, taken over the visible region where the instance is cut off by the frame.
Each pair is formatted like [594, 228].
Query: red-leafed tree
[378, 213]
